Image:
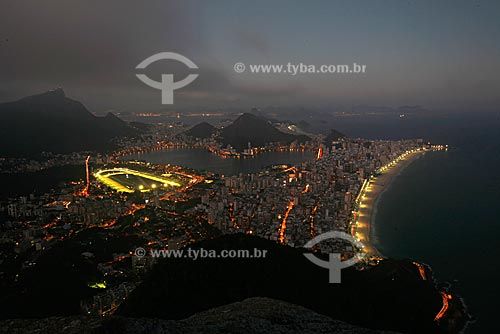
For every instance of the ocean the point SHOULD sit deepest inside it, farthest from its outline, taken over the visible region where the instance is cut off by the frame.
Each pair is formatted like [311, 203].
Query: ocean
[444, 210]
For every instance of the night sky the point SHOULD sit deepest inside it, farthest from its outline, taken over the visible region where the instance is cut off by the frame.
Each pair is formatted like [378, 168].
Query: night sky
[443, 55]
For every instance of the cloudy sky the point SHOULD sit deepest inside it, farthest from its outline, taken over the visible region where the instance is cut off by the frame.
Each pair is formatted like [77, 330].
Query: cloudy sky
[439, 54]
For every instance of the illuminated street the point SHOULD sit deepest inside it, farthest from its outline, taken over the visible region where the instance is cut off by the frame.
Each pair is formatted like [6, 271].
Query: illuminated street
[283, 223]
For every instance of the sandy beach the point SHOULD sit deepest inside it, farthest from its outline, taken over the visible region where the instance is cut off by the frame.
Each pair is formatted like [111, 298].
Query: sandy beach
[369, 200]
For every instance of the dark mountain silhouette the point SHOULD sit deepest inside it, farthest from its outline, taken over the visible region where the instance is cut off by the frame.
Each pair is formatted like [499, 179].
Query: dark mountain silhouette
[113, 120]
[303, 125]
[54, 123]
[334, 135]
[390, 296]
[407, 109]
[251, 316]
[256, 130]
[364, 109]
[201, 130]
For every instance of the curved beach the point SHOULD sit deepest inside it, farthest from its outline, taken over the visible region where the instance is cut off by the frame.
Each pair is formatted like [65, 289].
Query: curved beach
[369, 201]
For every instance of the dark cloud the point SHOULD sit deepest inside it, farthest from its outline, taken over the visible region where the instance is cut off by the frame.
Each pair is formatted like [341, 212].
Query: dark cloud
[89, 46]
[91, 49]
[252, 40]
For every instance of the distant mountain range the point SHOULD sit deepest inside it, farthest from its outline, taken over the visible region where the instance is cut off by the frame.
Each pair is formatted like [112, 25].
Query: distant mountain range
[249, 128]
[54, 123]
[201, 130]
[362, 109]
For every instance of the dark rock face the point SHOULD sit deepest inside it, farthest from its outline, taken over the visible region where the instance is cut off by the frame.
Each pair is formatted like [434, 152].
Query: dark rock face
[63, 325]
[389, 296]
[54, 123]
[251, 316]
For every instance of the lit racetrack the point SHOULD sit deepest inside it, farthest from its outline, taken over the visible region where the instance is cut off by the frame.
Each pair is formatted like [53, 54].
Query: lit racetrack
[129, 180]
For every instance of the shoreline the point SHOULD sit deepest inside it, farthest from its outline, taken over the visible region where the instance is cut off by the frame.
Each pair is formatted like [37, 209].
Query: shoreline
[370, 199]
[455, 316]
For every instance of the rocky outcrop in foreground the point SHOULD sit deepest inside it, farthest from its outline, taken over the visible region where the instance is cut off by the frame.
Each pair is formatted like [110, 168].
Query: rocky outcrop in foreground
[251, 316]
